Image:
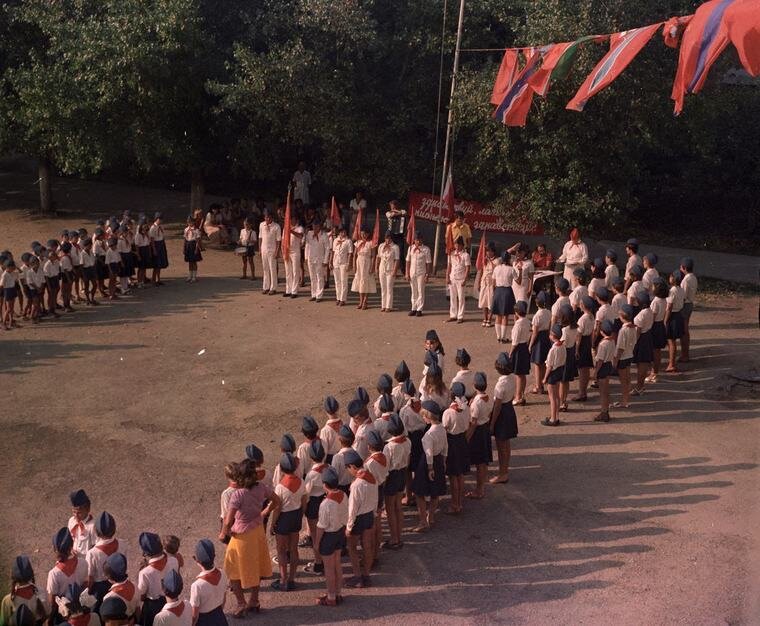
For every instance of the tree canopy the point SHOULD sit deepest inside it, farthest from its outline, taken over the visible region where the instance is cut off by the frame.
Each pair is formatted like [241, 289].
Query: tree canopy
[240, 91]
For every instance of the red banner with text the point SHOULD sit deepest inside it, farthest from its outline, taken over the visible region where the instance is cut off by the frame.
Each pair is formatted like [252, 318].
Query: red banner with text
[478, 216]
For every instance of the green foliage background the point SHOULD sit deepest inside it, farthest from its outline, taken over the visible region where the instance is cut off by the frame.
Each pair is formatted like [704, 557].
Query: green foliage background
[240, 90]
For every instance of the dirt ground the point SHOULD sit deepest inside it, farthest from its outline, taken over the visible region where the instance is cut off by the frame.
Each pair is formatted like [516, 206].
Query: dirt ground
[650, 519]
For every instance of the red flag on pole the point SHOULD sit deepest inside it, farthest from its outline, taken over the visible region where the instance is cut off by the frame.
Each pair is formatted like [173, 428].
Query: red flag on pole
[480, 262]
[356, 235]
[376, 231]
[286, 229]
[448, 194]
[624, 47]
[334, 214]
[743, 25]
[505, 77]
[411, 227]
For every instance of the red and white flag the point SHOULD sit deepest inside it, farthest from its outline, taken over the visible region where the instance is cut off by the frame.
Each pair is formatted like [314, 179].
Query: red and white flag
[411, 227]
[480, 261]
[286, 229]
[448, 194]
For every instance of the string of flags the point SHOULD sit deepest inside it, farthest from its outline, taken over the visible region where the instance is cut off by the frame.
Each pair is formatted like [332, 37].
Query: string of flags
[701, 37]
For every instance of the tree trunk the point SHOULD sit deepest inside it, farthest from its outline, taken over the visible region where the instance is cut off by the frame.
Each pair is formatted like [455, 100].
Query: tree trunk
[197, 190]
[46, 192]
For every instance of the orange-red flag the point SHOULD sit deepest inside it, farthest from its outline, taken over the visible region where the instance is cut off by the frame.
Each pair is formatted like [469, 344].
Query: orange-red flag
[448, 194]
[505, 77]
[286, 229]
[480, 261]
[673, 30]
[449, 238]
[742, 22]
[376, 231]
[356, 235]
[411, 227]
[334, 214]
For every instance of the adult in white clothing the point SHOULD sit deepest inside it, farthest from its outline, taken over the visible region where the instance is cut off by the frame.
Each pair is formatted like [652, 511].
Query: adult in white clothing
[293, 261]
[301, 183]
[419, 264]
[457, 271]
[270, 237]
[340, 260]
[574, 254]
[317, 251]
[386, 266]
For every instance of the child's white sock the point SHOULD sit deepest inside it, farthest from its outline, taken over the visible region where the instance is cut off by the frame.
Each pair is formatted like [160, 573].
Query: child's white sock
[499, 331]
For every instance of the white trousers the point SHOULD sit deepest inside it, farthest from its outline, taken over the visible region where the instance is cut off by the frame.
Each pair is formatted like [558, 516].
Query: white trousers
[456, 303]
[341, 282]
[293, 272]
[269, 269]
[386, 289]
[317, 279]
[417, 284]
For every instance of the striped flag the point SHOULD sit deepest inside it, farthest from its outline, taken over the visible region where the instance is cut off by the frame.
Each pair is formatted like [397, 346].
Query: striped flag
[673, 29]
[286, 229]
[703, 41]
[505, 77]
[624, 47]
[743, 25]
[557, 63]
[514, 107]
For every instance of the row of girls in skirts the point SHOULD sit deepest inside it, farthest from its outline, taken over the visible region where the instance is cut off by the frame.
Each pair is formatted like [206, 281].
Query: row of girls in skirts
[383, 454]
[77, 267]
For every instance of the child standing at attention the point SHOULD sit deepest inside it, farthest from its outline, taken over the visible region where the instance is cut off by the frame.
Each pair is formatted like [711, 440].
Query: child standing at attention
[158, 249]
[503, 423]
[503, 296]
[689, 286]
[464, 375]
[105, 546]
[611, 272]
[401, 375]
[67, 276]
[52, 271]
[69, 570]
[192, 250]
[650, 270]
[659, 336]
[479, 449]
[81, 524]
[315, 492]
[415, 425]
[643, 352]
[485, 284]
[362, 504]
[457, 271]
[23, 593]
[456, 420]
[248, 241]
[286, 522]
[397, 452]
[331, 536]
[555, 369]
[519, 355]
[144, 257]
[632, 250]
[346, 439]
[429, 477]
[329, 433]
[9, 283]
[433, 344]
[310, 430]
[175, 611]
[230, 471]
[579, 288]
[562, 289]
[674, 319]
[89, 271]
[151, 576]
[113, 261]
[626, 341]
[603, 369]
[570, 339]
[539, 342]
[171, 547]
[598, 276]
[115, 570]
[209, 589]
[377, 465]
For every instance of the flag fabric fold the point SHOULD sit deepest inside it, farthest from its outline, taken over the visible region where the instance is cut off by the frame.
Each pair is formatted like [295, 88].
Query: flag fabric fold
[624, 47]
[673, 29]
[703, 41]
[356, 235]
[334, 214]
[286, 229]
[557, 63]
[411, 227]
[480, 261]
[514, 107]
[742, 22]
[376, 231]
[448, 194]
[505, 76]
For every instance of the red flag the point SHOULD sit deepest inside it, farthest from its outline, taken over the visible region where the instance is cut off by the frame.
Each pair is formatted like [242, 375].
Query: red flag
[480, 262]
[286, 229]
[376, 231]
[411, 227]
[513, 109]
[358, 226]
[743, 25]
[539, 82]
[334, 214]
[448, 194]
[703, 41]
[505, 77]
[624, 47]
[673, 30]
[449, 238]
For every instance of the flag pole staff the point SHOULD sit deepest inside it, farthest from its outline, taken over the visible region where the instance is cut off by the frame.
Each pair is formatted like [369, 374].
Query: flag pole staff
[449, 125]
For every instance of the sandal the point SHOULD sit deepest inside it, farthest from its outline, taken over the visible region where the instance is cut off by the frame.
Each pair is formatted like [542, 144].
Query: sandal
[564, 407]
[355, 582]
[473, 495]
[536, 391]
[496, 480]
[253, 608]
[547, 422]
[240, 612]
[602, 417]
[620, 405]
[325, 601]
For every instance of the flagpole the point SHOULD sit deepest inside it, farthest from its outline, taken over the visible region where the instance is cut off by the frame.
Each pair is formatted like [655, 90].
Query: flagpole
[449, 125]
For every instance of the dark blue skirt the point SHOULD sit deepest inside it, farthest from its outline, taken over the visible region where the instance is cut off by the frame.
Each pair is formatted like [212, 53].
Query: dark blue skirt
[585, 358]
[555, 376]
[624, 364]
[503, 301]
[422, 486]
[212, 618]
[659, 336]
[289, 522]
[480, 451]
[90, 273]
[151, 608]
[145, 262]
[160, 257]
[643, 352]
[363, 522]
[332, 542]
[395, 482]
[250, 251]
[10, 293]
[192, 252]
[605, 371]
[571, 368]
[540, 348]
[127, 264]
[415, 437]
[312, 506]
[54, 282]
[675, 325]
[115, 268]
[457, 459]
[521, 359]
[101, 268]
[505, 426]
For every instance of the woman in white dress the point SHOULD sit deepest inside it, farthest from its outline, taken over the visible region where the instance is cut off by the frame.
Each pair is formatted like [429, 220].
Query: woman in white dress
[364, 277]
